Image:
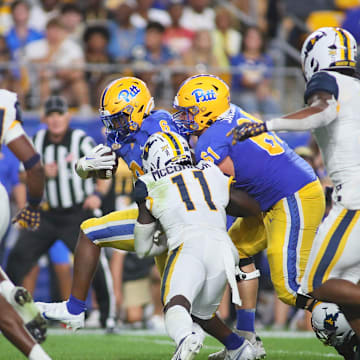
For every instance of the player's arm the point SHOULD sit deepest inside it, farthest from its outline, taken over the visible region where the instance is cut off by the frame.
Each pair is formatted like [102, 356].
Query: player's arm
[145, 227]
[322, 110]
[29, 216]
[35, 176]
[321, 95]
[241, 204]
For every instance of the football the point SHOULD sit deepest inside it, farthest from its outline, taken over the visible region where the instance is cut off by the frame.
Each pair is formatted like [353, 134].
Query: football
[105, 174]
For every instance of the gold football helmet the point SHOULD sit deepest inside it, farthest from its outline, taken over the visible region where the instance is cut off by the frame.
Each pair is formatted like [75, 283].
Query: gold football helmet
[200, 101]
[123, 105]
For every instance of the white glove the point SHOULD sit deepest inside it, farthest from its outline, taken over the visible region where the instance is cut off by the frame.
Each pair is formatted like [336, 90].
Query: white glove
[95, 160]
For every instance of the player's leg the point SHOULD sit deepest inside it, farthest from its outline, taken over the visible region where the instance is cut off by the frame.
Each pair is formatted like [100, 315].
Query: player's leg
[291, 226]
[12, 326]
[207, 301]
[116, 230]
[249, 237]
[182, 281]
[21, 301]
[332, 274]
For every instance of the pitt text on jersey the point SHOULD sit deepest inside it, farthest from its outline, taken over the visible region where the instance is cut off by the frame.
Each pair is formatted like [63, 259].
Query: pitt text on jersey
[158, 174]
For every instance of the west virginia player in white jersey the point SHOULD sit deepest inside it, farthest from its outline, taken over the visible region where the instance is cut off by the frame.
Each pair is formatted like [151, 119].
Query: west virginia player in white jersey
[189, 202]
[20, 319]
[333, 95]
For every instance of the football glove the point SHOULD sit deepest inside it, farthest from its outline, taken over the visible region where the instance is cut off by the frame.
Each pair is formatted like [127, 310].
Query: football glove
[101, 157]
[246, 130]
[28, 218]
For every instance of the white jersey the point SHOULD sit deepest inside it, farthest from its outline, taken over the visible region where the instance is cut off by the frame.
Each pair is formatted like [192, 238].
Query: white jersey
[10, 127]
[339, 143]
[190, 201]
[198, 195]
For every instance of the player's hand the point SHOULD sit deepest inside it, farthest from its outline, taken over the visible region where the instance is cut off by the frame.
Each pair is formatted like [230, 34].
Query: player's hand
[28, 218]
[101, 157]
[246, 130]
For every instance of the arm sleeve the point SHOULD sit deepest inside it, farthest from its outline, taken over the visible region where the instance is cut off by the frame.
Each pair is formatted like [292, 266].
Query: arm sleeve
[143, 234]
[313, 121]
[321, 81]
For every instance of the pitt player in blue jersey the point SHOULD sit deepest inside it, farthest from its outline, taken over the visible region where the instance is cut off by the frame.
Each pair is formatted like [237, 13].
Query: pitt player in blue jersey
[126, 109]
[285, 186]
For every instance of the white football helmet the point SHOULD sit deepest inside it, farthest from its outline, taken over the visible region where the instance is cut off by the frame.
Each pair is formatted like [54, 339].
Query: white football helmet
[330, 324]
[328, 48]
[162, 149]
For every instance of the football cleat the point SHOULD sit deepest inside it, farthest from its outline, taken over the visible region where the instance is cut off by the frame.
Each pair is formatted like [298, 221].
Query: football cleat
[188, 348]
[255, 341]
[22, 302]
[59, 312]
[245, 352]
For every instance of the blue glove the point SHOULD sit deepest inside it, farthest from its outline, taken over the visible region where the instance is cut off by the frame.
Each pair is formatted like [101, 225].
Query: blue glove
[246, 130]
[28, 218]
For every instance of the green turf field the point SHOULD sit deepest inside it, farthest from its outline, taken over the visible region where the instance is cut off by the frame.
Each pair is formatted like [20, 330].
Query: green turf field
[137, 345]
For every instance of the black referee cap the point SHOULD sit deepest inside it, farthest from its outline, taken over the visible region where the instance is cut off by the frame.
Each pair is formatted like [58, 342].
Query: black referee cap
[55, 103]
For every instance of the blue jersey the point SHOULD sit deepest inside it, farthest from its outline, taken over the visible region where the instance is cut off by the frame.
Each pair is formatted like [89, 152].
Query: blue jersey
[131, 149]
[265, 167]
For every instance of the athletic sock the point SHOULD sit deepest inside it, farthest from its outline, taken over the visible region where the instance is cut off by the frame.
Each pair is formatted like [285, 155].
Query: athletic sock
[178, 323]
[233, 341]
[38, 353]
[75, 306]
[245, 320]
[6, 288]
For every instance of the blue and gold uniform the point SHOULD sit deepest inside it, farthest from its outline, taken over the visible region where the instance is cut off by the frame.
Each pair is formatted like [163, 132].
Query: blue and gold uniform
[287, 190]
[117, 228]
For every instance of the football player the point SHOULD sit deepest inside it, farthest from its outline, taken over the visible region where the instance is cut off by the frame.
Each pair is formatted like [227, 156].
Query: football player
[289, 193]
[126, 109]
[332, 95]
[190, 203]
[20, 319]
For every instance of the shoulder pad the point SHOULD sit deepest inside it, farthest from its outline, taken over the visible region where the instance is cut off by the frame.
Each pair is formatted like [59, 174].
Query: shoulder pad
[321, 81]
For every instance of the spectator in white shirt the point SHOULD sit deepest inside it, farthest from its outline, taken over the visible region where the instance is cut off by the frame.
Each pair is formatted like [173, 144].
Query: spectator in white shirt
[67, 57]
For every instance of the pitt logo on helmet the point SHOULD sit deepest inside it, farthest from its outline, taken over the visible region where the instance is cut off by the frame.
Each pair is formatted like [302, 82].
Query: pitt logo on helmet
[128, 95]
[201, 95]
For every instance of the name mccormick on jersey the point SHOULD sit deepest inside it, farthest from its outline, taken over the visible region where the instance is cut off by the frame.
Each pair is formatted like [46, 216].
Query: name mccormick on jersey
[171, 169]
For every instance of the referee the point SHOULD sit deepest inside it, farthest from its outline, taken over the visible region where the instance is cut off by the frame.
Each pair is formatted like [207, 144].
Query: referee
[69, 200]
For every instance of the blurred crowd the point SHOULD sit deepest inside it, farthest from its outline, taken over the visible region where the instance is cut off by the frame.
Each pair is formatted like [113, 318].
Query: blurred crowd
[74, 48]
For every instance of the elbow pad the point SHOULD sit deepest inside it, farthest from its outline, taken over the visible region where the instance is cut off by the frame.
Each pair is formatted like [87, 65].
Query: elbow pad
[144, 238]
[313, 121]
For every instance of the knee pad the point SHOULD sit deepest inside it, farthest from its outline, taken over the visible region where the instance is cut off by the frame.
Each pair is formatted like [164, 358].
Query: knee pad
[242, 275]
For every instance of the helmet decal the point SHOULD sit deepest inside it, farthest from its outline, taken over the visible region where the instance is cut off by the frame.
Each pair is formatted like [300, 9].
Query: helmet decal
[128, 95]
[201, 95]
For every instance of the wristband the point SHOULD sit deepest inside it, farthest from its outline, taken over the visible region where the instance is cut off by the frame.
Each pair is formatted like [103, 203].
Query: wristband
[33, 201]
[28, 164]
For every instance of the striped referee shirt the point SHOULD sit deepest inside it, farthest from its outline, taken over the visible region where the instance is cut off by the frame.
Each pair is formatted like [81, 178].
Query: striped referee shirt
[67, 189]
